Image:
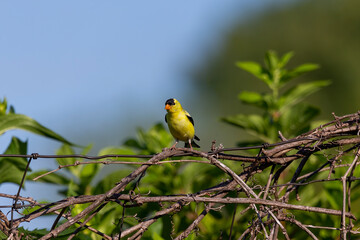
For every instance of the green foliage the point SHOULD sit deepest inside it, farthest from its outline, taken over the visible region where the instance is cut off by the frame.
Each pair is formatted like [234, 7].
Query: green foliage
[283, 107]
[79, 179]
[311, 38]
[164, 179]
[38, 233]
[10, 120]
[12, 169]
[170, 179]
[150, 142]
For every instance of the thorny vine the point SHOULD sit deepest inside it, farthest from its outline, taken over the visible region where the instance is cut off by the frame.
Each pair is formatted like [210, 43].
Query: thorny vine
[269, 203]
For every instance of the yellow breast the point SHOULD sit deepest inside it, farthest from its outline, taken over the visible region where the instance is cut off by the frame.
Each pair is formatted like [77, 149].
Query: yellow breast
[180, 126]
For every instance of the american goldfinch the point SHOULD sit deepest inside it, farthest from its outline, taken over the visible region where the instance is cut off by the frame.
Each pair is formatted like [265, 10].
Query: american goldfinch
[180, 123]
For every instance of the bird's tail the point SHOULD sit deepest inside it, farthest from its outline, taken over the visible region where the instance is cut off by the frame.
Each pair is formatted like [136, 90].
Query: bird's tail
[194, 144]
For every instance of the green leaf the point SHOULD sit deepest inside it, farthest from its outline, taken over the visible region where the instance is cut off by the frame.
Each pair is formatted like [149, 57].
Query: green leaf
[3, 236]
[252, 98]
[298, 71]
[10, 173]
[167, 226]
[296, 120]
[18, 162]
[256, 99]
[285, 59]
[304, 68]
[74, 189]
[317, 123]
[65, 149]
[87, 149]
[33, 233]
[247, 121]
[31, 209]
[152, 141]
[110, 180]
[12, 169]
[156, 236]
[132, 143]
[3, 107]
[158, 138]
[155, 230]
[16, 146]
[19, 121]
[254, 124]
[116, 151]
[11, 109]
[255, 69]
[271, 60]
[297, 94]
[88, 172]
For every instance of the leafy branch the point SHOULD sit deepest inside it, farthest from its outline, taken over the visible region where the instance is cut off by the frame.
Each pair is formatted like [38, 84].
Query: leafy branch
[283, 107]
[268, 198]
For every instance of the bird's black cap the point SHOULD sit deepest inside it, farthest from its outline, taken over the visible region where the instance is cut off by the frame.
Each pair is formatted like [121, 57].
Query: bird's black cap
[170, 102]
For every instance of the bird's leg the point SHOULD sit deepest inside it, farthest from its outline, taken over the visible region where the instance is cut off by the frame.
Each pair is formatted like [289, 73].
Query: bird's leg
[190, 144]
[173, 146]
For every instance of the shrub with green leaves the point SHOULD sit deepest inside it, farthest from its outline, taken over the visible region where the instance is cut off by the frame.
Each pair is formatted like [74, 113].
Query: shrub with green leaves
[283, 107]
[164, 179]
[12, 169]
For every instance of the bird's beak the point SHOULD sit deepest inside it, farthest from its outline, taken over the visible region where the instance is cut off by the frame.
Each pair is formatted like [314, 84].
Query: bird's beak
[167, 106]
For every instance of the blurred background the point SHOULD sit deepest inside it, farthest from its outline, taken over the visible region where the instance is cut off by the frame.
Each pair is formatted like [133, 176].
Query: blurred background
[94, 72]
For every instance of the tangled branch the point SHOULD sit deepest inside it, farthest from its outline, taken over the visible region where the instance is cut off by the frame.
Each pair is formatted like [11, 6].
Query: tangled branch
[269, 203]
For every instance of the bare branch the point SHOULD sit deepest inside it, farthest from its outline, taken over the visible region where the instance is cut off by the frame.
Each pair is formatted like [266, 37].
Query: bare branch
[268, 200]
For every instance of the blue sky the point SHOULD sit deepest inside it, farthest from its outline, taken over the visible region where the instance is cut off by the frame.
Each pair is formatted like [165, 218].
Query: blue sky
[63, 62]
[95, 70]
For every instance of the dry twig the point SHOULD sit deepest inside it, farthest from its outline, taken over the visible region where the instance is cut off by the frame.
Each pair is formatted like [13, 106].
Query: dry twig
[270, 203]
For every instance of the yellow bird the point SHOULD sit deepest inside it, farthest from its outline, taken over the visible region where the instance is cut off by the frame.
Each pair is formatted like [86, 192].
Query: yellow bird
[180, 123]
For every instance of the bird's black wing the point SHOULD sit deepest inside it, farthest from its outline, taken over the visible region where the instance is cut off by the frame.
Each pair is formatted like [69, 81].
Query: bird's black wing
[190, 118]
[165, 118]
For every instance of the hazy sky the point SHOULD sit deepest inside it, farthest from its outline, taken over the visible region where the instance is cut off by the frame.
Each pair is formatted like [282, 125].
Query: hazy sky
[79, 67]
[95, 70]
